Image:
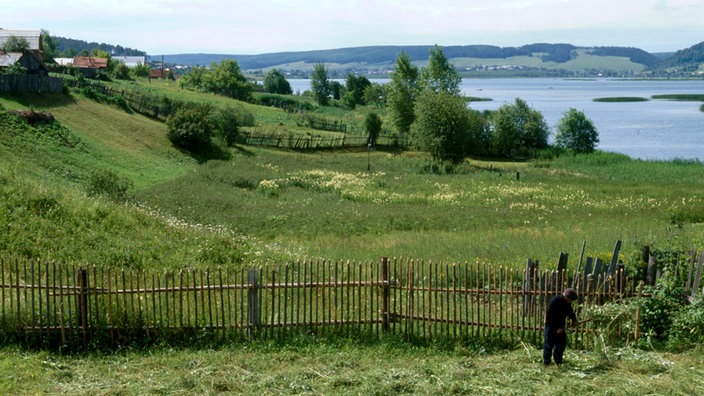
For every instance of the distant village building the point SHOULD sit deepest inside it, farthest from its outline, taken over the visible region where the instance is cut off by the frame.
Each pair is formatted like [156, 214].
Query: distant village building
[89, 65]
[159, 73]
[130, 61]
[33, 37]
[64, 61]
[30, 60]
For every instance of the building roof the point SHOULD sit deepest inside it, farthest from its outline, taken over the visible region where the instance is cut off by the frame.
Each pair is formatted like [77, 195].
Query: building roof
[89, 62]
[130, 61]
[8, 59]
[33, 37]
[63, 61]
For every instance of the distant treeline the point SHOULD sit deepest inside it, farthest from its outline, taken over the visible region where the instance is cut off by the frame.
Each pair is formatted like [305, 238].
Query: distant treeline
[68, 48]
[559, 53]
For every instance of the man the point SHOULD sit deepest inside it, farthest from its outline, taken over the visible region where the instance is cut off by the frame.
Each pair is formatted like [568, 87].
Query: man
[559, 308]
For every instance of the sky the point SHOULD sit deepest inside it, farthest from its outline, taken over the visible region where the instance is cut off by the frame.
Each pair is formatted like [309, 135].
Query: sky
[265, 26]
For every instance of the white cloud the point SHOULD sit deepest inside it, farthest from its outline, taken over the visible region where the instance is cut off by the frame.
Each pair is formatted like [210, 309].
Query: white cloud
[257, 26]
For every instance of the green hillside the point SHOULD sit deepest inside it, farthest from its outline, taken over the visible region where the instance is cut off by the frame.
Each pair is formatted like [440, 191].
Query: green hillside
[262, 204]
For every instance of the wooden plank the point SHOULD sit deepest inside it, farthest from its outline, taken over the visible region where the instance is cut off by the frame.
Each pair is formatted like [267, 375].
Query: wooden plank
[698, 277]
[614, 258]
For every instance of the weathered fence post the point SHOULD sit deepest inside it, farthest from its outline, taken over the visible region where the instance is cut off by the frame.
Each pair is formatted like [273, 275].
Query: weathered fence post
[652, 268]
[82, 303]
[698, 276]
[528, 280]
[252, 300]
[385, 295]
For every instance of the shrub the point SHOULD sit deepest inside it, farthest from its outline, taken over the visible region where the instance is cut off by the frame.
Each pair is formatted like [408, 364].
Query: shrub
[108, 184]
[191, 127]
[688, 324]
[659, 311]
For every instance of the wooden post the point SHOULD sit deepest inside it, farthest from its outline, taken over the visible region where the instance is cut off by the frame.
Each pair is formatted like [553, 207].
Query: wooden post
[253, 300]
[698, 276]
[640, 295]
[652, 268]
[385, 295]
[82, 303]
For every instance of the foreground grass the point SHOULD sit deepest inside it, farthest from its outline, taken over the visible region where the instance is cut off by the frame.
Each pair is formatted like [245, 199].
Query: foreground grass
[344, 369]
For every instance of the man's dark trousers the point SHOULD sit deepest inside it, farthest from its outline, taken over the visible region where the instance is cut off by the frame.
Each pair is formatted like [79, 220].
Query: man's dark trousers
[554, 346]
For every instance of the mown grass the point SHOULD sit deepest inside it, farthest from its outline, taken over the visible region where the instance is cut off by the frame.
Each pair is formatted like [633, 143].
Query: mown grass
[337, 368]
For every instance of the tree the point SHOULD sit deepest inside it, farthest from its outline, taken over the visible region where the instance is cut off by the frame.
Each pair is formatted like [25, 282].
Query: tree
[373, 126]
[49, 44]
[440, 76]
[225, 78]
[445, 127]
[195, 78]
[517, 129]
[403, 89]
[375, 94]
[355, 89]
[141, 70]
[16, 44]
[275, 82]
[576, 132]
[320, 85]
[337, 89]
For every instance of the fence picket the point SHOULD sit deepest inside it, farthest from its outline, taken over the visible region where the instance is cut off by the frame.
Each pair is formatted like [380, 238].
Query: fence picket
[430, 299]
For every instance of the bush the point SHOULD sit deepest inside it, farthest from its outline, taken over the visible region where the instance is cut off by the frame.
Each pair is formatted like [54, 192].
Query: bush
[688, 325]
[191, 127]
[108, 184]
[660, 310]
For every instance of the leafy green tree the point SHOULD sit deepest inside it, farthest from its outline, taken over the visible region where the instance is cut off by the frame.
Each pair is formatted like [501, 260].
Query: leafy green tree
[518, 130]
[226, 78]
[338, 90]
[194, 78]
[403, 89]
[375, 94]
[121, 71]
[445, 127]
[355, 87]
[275, 82]
[49, 44]
[320, 85]
[576, 132]
[440, 75]
[141, 70]
[373, 125]
[16, 44]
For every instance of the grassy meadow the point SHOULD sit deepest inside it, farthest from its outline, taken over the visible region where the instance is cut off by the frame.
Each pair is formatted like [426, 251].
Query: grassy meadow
[262, 205]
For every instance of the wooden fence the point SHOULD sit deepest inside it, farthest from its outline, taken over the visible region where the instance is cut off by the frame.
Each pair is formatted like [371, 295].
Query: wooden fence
[30, 83]
[263, 137]
[55, 304]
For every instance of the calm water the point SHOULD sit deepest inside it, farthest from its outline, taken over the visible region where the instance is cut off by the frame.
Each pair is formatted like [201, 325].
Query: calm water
[656, 129]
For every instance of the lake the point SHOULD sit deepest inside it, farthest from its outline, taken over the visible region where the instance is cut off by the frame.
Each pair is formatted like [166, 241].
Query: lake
[656, 129]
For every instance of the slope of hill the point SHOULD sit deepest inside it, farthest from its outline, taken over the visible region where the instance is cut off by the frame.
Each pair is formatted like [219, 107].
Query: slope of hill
[689, 60]
[380, 59]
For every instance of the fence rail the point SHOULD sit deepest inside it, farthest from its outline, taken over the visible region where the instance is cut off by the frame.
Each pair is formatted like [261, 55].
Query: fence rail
[60, 304]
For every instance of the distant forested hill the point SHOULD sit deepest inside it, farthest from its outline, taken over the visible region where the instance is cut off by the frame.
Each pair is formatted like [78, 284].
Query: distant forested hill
[67, 47]
[688, 60]
[376, 55]
[524, 60]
